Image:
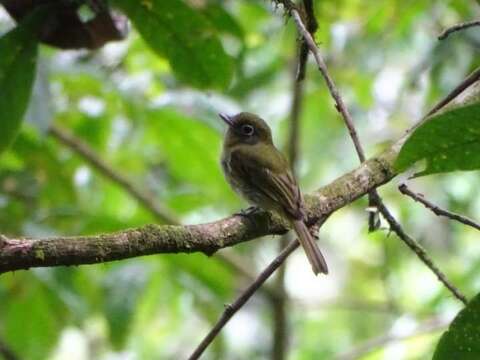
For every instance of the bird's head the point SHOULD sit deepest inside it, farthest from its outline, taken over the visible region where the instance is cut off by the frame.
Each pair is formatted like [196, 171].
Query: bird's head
[246, 128]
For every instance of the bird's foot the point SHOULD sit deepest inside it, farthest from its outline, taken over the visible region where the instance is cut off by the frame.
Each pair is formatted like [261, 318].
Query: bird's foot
[251, 210]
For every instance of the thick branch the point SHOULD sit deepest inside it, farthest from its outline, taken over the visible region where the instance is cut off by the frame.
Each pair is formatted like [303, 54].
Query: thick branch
[18, 254]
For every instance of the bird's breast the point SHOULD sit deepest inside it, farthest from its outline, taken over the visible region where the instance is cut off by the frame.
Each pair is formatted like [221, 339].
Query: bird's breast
[238, 182]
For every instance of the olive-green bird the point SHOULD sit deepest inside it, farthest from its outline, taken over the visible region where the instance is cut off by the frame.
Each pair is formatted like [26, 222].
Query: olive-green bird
[257, 171]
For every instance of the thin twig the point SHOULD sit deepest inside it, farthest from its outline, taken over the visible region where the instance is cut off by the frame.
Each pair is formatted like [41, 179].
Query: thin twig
[458, 27]
[241, 266]
[419, 251]
[436, 209]
[429, 326]
[231, 309]
[340, 105]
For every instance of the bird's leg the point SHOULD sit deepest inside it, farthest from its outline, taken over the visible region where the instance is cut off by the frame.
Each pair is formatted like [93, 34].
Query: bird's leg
[251, 210]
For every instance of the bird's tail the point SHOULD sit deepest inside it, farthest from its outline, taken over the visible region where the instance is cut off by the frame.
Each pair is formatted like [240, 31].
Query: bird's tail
[314, 255]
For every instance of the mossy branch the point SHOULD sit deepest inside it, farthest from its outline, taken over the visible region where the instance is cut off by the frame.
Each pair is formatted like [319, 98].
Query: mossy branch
[24, 253]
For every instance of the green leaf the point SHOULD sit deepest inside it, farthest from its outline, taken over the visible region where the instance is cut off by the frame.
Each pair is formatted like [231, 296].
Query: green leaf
[462, 339]
[449, 141]
[186, 38]
[18, 49]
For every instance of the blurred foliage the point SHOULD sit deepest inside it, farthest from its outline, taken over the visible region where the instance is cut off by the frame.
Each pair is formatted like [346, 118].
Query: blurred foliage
[148, 106]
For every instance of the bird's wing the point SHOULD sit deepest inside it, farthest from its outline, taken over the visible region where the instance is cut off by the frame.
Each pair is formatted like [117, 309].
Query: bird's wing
[270, 175]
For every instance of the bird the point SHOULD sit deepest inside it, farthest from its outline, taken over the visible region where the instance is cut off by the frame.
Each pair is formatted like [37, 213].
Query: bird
[258, 172]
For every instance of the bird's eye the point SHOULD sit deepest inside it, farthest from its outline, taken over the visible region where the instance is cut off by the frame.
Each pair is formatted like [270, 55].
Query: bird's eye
[247, 130]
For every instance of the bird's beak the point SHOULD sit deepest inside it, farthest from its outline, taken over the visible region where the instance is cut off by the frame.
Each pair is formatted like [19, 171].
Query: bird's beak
[226, 118]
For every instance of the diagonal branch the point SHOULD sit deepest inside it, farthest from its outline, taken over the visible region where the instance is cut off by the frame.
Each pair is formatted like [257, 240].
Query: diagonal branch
[452, 100]
[339, 103]
[420, 252]
[436, 209]
[231, 309]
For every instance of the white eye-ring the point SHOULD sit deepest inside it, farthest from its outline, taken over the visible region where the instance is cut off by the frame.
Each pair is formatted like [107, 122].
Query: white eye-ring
[248, 130]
